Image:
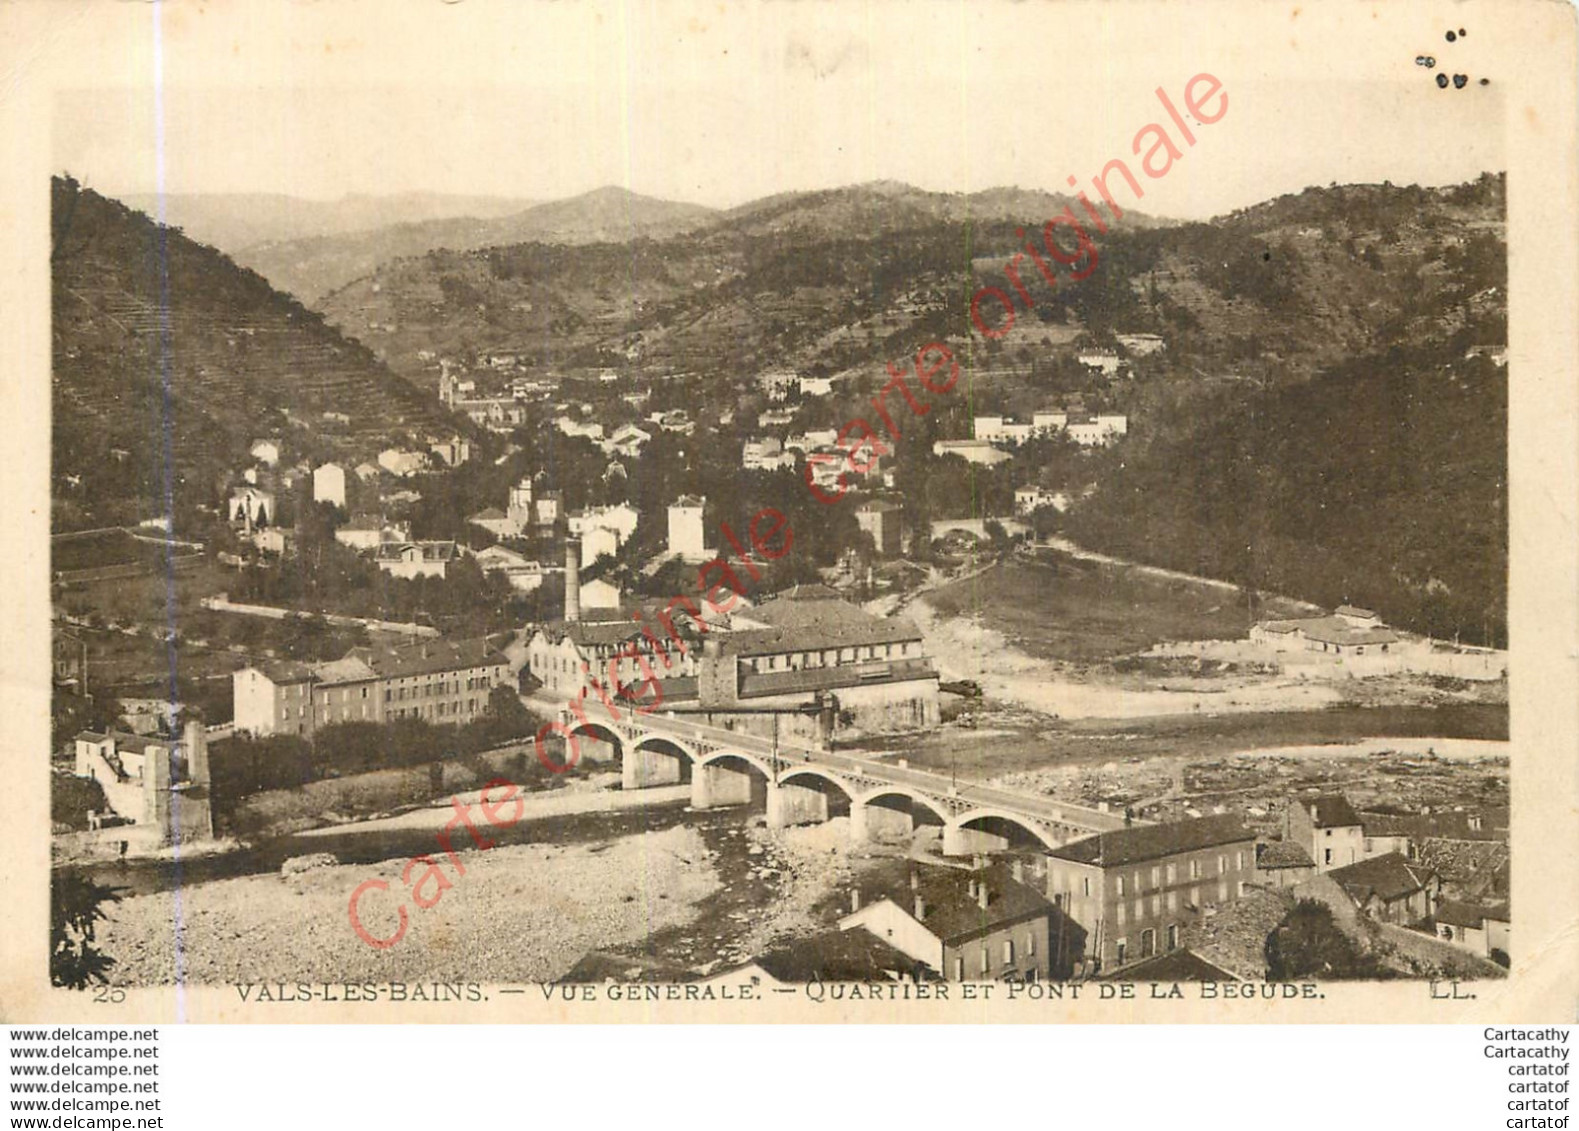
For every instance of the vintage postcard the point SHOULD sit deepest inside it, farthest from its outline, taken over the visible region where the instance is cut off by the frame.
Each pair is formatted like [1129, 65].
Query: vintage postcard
[791, 512]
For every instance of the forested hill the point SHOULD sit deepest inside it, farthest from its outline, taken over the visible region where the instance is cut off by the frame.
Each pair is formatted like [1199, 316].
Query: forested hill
[1382, 483]
[169, 360]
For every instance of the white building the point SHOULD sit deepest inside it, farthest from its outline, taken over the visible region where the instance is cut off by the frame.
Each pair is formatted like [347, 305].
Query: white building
[266, 452]
[411, 560]
[766, 454]
[251, 506]
[401, 463]
[598, 542]
[1001, 430]
[1108, 362]
[972, 451]
[686, 537]
[621, 518]
[1142, 345]
[329, 485]
[1034, 498]
[599, 594]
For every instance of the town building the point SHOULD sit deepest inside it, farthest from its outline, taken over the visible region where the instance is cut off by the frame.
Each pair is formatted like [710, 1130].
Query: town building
[266, 452]
[1282, 864]
[776, 386]
[766, 454]
[1390, 889]
[452, 452]
[1349, 631]
[627, 440]
[1135, 889]
[523, 574]
[687, 538]
[1142, 345]
[1480, 928]
[251, 507]
[1033, 498]
[329, 484]
[1328, 829]
[620, 520]
[880, 518]
[366, 532]
[402, 464]
[495, 522]
[984, 924]
[1106, 362]
[600, 594]
[1001, 430]
[971, 451]
[160, 785]
[436, 680]
[411, 560]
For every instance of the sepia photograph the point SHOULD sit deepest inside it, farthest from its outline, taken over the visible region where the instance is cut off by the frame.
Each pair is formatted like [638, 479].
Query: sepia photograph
[784, 506]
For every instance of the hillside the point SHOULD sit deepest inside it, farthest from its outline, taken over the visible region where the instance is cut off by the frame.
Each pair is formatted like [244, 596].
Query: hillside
[168, 360]
[310, 266]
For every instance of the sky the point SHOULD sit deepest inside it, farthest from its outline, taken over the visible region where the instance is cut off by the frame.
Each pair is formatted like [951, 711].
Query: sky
[720, 104]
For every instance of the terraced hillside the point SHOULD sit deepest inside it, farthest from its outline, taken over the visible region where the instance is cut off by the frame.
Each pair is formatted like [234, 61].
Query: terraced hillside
[168, 360]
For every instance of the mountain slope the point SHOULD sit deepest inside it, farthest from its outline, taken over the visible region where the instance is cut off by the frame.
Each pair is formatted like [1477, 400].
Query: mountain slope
[313, 265]
[168, 354]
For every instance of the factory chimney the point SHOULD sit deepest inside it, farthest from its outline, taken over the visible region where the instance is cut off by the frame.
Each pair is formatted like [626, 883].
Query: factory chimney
[572, 579]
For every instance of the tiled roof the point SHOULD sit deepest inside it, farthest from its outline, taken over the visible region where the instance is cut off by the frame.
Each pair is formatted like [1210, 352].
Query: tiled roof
[949, 911]
[428, 656]
[804, 624]
[1332, 630]
[1463, 914]
[286, 671]
[429, 551]
[1355, 611]
[855, 955]
[1387, 877]
[1275, 854]
[347, 669]
[1173, 966]
[1151, 842]
[1331, 811]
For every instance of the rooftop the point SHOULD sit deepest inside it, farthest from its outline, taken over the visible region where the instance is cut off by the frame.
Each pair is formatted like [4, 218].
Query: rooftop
[1331, 811]
[805, 623]
[1173, 966]
[1387, 877]
[1151, 842]
[1275, 854]
[855, 955]
[949, 911]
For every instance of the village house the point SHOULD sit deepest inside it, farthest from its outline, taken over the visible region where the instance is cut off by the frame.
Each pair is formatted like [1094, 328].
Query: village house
[158, 785]
[971, 451]
[985, 924]
[620, 519]
[266, 452]
[1032, 498]
[523, 574]
[1106, 362]
[687, 537]
[775, 418]
[776, 386]
[1142, 345]
[1480, 928]
[411, 560]
[1135, 889]
[880, 518]
[1282, 864]
[251, 507]
[1389, 889]
[436, 680]
[329, 484]
[1328, 829]
[1098, 428]
[452, 452]
[400, 463]
[1001, 430]
[366, 532]
[599, 542]
[1349, 631]
[495, 522]
[627, 440]
[816, 386]
[766, 454]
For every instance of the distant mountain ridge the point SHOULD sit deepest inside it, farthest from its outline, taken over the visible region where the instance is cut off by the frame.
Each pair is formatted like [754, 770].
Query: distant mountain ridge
[233, 221]
[310, 266]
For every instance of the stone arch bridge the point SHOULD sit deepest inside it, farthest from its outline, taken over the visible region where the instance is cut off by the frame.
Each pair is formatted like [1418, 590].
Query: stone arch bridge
[801, 785]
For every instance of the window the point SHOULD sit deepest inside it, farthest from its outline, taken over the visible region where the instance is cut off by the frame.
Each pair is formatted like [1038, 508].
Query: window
[1156, 876]
[1195, 869]
[1173, 936]
[1120, 951]
[959, 969]
[1239, 860]
[1119, 914]
[1173, 901]
[1138, 881]
[1326, 856]
[986, 961]
[1222, 865]
[1085, 886]
[1030, 944]
[1173, 873]
[1121, 885]
[1148, 943]
[1008, 952]
[1222, 892]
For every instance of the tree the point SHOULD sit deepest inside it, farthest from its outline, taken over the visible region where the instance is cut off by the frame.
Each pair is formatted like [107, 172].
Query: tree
[76, 904]
[1308, 943]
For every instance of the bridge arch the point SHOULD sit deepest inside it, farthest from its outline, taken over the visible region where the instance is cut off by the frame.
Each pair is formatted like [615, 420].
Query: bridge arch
[838, 798]
[754, 761]
[730, 777]
[992, 830]
[596, 742]
[656, 760]
[892, 813]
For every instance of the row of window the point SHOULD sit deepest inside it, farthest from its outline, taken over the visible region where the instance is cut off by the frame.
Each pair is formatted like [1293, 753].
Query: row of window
[1169, 874]
[1148, 944]
[985, 957]
[830, 657]
[1123, 911]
